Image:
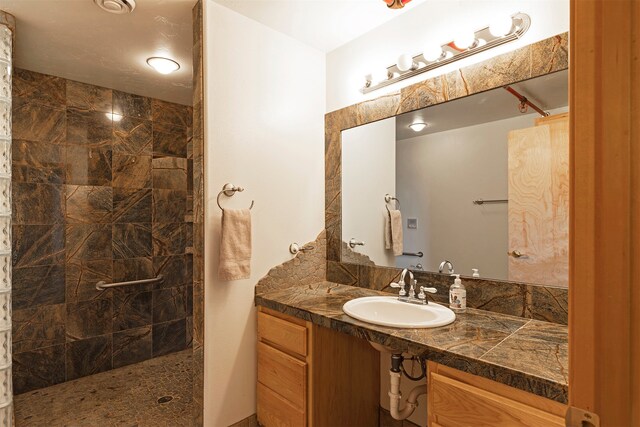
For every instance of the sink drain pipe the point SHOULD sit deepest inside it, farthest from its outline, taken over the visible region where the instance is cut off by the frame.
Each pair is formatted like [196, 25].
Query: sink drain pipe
[395, 395]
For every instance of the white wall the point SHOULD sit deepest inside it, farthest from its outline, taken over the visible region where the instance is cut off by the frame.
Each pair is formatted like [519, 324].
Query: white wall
[264, 108]
[435, 21]
[368, 173]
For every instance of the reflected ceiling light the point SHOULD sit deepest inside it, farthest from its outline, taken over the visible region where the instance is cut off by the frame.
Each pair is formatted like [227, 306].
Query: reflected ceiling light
[163, 65]
[418, 126]
[119, 7]
[115, 117]
[467, 43]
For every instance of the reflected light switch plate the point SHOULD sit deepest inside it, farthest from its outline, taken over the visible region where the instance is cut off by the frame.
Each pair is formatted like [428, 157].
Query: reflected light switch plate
[412, 223]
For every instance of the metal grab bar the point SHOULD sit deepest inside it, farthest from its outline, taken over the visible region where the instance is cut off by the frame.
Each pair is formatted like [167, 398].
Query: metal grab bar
[102, 286]
[482, 202]
[418, 254]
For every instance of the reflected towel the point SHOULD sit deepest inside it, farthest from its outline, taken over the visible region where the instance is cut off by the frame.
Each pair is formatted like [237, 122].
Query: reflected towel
[235, 245]
[393, 232]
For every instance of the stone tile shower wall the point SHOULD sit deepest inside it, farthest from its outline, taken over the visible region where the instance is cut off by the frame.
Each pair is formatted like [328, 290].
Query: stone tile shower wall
[97, 200]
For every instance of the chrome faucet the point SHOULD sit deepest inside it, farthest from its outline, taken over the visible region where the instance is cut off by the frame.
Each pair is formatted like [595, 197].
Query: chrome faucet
[411, 298]
[403, 281]
[447, 264]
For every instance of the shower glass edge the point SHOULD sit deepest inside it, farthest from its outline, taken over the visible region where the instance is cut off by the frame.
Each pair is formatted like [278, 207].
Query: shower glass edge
[6, 53]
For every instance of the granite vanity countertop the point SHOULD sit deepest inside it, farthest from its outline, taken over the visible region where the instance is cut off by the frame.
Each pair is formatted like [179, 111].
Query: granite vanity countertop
[526, 354]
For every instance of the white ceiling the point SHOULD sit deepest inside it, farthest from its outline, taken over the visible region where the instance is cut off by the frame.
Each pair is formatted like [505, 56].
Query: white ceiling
[547, 92]
[323, 24]
[77, 40]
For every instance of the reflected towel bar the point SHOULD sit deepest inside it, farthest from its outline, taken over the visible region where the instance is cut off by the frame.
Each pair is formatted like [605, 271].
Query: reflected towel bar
[102, 286]
[482, 202]
[418, 254]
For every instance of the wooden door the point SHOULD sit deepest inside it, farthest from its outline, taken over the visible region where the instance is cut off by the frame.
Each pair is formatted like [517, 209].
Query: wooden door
[539, 203]
[604, 297]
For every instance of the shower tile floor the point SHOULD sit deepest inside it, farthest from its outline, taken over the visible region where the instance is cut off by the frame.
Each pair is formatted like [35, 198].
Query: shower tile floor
[157, 392]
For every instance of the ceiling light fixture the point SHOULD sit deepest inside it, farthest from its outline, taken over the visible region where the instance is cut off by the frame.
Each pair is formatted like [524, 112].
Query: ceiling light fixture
[396, 4]
[500, 32]
[163, 65]
[418, 126]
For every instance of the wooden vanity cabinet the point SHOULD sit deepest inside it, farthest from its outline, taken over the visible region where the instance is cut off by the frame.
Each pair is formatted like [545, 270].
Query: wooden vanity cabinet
[459, 399]
[313, 376]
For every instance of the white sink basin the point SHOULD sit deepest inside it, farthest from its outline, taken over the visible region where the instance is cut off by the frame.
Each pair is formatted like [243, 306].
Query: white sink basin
[388, 311]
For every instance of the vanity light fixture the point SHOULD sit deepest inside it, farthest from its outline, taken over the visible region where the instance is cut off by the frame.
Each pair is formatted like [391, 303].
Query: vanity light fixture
[499, 32]
[418, 126]
[163, 65]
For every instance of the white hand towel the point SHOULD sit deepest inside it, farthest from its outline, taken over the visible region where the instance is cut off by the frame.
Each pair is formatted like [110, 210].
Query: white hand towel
[388, 241]
[235, 245]
[395, 231]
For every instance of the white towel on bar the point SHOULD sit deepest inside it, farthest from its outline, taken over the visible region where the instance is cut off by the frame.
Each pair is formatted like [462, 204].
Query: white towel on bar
[393, 232]
[235, 245]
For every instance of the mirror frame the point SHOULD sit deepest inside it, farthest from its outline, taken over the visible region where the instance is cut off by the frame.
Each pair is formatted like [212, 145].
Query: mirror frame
[543, 57]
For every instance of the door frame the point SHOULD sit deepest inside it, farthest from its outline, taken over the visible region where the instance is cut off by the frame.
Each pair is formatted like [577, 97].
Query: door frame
[604, 291]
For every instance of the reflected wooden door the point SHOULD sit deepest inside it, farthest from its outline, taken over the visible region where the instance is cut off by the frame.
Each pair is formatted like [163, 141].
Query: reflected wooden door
[539, 202]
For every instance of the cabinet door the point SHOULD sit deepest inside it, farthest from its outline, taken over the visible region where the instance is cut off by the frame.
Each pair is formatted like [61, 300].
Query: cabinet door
[539, 203]
[460, 399]
[456, 404]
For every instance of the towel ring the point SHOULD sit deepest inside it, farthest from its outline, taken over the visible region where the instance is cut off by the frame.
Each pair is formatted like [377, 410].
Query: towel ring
[229, 190]
[388, 199]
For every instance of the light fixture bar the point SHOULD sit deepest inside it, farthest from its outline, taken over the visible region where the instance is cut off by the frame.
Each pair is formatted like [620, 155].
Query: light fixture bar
[484, 41]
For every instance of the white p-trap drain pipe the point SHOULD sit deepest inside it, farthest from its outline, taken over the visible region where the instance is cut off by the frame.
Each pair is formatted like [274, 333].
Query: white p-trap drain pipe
[395, 396]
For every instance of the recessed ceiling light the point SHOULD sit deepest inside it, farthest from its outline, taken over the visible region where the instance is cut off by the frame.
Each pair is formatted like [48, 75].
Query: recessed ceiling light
[114, 116]
[163, 65]
[119, 7]
[418, 126]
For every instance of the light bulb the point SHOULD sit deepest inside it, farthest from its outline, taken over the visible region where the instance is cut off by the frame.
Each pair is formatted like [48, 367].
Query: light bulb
[501, 26]
[432, 52]
[380, 75]
[417, 126]
[464, 40]
[163, 65]
[405, 62]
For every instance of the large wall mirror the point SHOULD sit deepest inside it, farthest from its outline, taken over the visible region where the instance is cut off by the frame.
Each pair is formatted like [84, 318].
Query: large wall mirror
[484, 185]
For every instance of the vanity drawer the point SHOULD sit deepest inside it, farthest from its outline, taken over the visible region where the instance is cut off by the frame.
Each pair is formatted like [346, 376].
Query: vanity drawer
[274, 411]
[284, 374]
[456, 404]
[283, 334]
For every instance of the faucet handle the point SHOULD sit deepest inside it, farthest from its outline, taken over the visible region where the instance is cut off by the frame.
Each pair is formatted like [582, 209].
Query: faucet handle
[399, 285]
[422, 296]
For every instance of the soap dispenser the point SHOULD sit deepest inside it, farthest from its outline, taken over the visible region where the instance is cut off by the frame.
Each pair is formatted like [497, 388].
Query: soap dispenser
[457, 296]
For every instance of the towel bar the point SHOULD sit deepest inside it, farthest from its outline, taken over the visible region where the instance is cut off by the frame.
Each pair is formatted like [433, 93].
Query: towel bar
[102, 286]
[229, 190]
